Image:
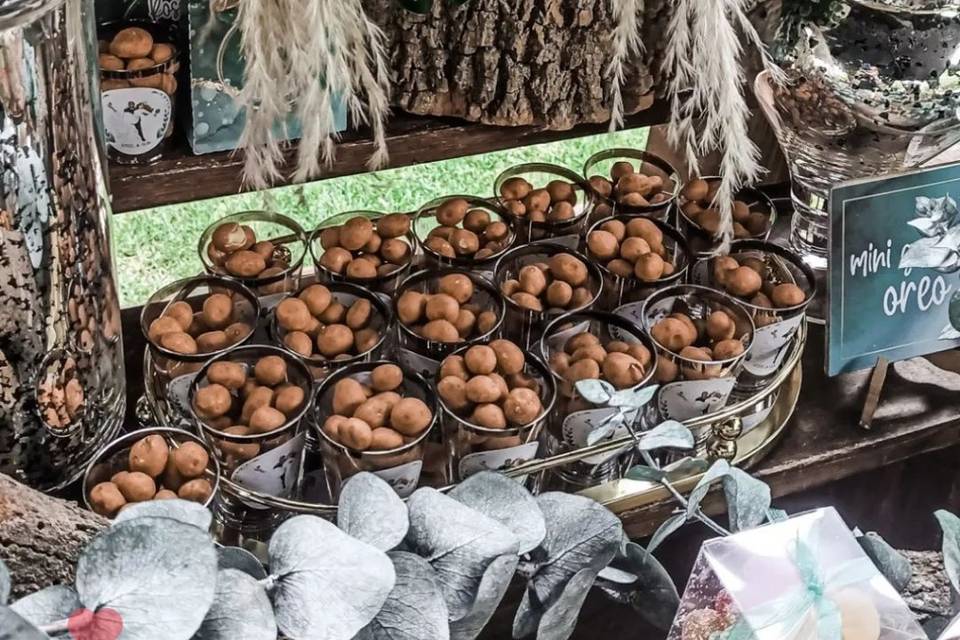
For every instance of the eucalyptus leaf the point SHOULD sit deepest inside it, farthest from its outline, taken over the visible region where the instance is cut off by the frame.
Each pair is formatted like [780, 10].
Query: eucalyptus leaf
[606, 430]
[459, 542]
[48, 605]
[595, 391]
[494, 584]
[370, 510]
[241, 560]
[748, 499]
[241, 609]
[4, 583]
[184, 511]
[892, 564]
[667, 435]
[327, 584]
[634, 398]
[950, 524]
[559, 621]
[667, 528]
[13, 627]
[415, 609]
[506, 501]
[716, 471]
[777, 515]
[156, 573]
[655, 597]
[645, 473]
[581, 534]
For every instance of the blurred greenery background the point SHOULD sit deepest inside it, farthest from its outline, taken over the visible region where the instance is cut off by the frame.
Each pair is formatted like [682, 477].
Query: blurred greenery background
[156, 246]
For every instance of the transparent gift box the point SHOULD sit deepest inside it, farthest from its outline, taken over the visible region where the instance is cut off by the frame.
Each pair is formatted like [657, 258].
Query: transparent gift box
[805, 578]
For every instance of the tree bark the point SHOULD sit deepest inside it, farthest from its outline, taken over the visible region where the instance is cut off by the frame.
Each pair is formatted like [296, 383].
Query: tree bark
[41, 536]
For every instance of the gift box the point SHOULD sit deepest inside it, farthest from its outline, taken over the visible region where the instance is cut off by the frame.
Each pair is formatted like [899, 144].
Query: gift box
[805, 578]
[216, 78]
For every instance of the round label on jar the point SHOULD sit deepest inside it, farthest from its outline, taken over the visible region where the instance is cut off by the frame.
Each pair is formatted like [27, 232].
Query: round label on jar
[274, 473]
[403, 478]
[497, 459]
[135, 119]
[693, 398]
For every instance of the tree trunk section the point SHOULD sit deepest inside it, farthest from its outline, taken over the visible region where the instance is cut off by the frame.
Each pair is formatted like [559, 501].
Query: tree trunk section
[41, 536]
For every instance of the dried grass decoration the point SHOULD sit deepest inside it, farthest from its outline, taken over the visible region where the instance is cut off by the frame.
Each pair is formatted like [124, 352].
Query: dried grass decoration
[301, 57]
[708, 108]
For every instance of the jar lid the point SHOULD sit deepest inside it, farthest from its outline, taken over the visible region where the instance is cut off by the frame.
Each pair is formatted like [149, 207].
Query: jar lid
[18, 13]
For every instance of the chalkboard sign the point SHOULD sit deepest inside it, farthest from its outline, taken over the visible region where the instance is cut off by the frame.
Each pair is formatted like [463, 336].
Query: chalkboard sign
[894, 286]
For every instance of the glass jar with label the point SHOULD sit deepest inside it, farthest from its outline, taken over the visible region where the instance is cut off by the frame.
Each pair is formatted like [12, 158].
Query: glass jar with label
[530, 303]
[138, 64]
[370, 249]
[502, 430]
[385, 433]
[702, 338]
[595, 345]
[637, 255]
[186, 323]
[545, 201]
[631, 182]
[463, 231]
[363, 324]
[778, 308]
[262, 249]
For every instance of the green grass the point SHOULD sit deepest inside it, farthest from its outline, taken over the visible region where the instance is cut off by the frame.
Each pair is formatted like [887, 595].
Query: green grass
[156, 246]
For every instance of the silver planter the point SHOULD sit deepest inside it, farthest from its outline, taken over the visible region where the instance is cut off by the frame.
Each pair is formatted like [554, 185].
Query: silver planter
[873, 92]
[62, 386]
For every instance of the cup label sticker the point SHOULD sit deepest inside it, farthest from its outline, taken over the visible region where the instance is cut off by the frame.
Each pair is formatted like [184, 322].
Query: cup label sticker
[700, 273]
[770, 346]
[178, 391]
[578, 426]
[135, 119]
[403, 478]
[498, 459]
[411, 361]
[273, 473]
[693, 398]
[632, 312]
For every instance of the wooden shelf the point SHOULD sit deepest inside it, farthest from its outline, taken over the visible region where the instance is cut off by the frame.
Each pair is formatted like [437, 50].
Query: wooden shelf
[183, 177]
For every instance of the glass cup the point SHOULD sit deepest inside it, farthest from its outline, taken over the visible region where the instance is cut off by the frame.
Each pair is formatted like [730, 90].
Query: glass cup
[168, 373]
[619, 290]
[539, 175]
[598, 171]
[422, 355]
[575, 421]
[523, 325]
[115, 458]
[138, 92]
[262, 463]
[776, 326]
[400, 467]
[690, 387]
[700, 231]
[281, 243]
[425, 225]
[471, 448]
[381, 321]
[389, 275]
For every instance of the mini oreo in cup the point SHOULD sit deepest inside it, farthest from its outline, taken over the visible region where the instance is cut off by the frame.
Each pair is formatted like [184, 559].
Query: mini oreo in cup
[249, 406]
[594, 345]
[637, 256]
[631, 182]
[775, 286]
[331, 325]
[262, 249]
[439, 311]
[494, 401]
[540, 281]
[370, 249]
[754, 214]
[464, 232]
[545, 201]
[373, 416]
[186, 323]
[702, 338]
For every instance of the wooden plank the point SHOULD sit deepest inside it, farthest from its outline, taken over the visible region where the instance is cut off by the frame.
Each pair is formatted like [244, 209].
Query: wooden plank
[183, 177]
